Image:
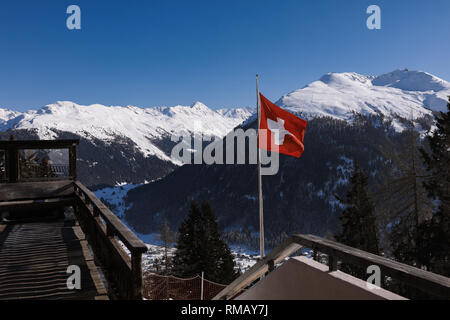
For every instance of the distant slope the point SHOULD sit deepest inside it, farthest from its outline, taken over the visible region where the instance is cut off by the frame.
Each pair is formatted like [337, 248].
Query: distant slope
[145, 127]
[120, 144]
[399, 93]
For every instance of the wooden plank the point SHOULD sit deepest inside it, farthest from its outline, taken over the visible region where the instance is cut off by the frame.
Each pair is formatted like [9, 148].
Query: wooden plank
[78, 232]
[73, 162]
[46, 179]
[39, 144]
[101, 290]
[42, 274]
[86, 252]
[12, 161]
[37, 204]
[35, 190]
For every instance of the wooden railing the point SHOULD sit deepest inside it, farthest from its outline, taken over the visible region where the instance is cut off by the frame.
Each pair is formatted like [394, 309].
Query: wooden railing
[104, 231]
[102, 227]
[11, 171]
[435, 285]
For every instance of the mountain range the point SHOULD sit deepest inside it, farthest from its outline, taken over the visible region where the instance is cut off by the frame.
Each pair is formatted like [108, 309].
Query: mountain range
[402, 92]
[121, 144]
[339, 95]
[350, 116]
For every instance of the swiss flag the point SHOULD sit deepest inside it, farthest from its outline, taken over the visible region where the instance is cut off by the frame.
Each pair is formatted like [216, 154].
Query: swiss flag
[279, 130]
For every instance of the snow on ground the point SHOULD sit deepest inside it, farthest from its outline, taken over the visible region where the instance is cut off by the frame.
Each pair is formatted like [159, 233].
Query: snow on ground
[155, 254]
[115, 197]
[154, 258]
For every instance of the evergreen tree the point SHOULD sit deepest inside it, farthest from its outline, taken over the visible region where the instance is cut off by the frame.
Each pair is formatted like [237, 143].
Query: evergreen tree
[186, 258]
[201, 249]
[358, 221]
[167, 236]
[436, 233]
[403, 204]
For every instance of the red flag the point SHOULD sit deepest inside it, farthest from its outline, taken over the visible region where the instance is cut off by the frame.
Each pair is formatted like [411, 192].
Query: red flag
[285, 132]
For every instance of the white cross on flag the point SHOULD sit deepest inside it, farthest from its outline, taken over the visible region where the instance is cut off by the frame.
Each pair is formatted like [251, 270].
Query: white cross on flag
[280, 130]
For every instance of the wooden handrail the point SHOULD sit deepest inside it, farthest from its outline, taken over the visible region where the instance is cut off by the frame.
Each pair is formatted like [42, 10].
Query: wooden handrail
[39, 144]
[129, 239]
[431, 283]
[102, 226]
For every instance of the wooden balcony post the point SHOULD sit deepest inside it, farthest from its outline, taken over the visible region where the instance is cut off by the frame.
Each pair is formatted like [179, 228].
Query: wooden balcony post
[73, 161]
[332, 263]
[136, 272]
[109, 231]
[271, 264]
[12, 168]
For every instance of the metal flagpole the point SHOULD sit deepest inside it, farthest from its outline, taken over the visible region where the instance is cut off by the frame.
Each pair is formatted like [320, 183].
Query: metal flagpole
[201, 289]
[261, 221]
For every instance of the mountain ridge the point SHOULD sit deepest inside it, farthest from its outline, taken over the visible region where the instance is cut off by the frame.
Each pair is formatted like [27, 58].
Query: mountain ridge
[141, 125]
[403, 93]
[134, 144]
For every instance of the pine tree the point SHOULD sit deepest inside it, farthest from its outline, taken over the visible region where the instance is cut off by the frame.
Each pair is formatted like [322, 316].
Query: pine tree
[403, 199]
[358, 221]
[167, 236]
[436, 233]
[186, 258]
[201, 249]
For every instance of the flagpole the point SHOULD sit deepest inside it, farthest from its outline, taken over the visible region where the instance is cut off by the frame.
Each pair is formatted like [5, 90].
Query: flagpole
[261, 221]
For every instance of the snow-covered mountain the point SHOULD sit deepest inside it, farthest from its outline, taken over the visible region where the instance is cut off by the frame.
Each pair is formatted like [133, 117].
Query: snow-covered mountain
[132, 144]
[339, 95]
[143, 126]
[401, 93]
[300, 198]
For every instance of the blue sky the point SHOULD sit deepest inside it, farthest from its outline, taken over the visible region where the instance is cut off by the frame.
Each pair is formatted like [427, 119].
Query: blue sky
[149, 53]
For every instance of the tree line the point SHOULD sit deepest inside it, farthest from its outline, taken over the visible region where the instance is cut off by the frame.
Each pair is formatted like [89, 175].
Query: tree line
[407, 218]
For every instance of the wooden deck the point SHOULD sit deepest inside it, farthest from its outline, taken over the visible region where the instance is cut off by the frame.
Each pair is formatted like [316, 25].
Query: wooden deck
[37, 248]
[34, 258]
